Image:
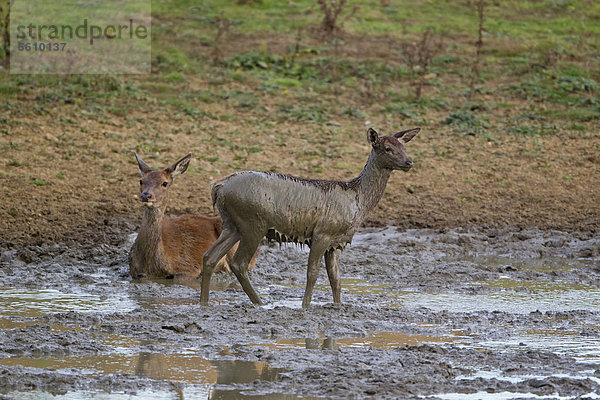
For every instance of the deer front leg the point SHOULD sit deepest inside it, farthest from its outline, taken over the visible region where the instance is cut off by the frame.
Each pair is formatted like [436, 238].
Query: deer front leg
[332, 258]
[314, 262]
[226, 241]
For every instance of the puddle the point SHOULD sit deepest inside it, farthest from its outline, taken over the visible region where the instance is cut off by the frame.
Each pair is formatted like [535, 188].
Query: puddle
[505, 282]
[581, 348]
[497, 374]
[88, 394]
[358, 286]
[511, 296]
[509, 301]
[199, 375]
[189, 392]
[515, 379]
[152, 303]
[218, 283]
[542, 264]
[6, 323]
[349, 285]
[379, 340]
[27, 302]
[507, 396]
[182, 368]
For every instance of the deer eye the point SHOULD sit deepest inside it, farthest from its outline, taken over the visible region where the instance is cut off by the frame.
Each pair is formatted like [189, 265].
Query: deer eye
[165, 184]
[388, 149]
[141, 182]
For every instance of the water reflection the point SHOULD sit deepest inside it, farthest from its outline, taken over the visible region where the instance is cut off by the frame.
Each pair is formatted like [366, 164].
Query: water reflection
[189, 392]
[379, 340]
[541, 264]
[218, 283]
[6, 323]
[158, 302]
[28, 302]
[183, 368]
[582, 348]
[552, 298]
[200, 373]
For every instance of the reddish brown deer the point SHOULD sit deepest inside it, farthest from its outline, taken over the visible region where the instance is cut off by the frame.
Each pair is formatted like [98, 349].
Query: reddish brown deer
[170, 247]
[322, 214]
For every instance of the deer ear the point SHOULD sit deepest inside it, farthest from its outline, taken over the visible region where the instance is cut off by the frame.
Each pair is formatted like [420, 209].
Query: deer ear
[144, 168]
[407, 135]
[180, 166]
[372, 137]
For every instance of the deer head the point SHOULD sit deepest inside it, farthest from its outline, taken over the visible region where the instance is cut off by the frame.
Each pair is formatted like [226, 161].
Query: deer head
[155, 185]
[389, 150]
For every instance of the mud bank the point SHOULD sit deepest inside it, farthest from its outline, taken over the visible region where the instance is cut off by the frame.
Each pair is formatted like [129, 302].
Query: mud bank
[456, 313]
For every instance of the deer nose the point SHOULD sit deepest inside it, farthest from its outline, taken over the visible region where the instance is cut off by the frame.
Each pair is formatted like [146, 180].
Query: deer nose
[409, 163]
[145, 197]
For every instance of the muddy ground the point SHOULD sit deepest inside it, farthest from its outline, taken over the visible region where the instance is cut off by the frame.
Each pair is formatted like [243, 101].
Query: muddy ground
[450, 313]
[487, 285]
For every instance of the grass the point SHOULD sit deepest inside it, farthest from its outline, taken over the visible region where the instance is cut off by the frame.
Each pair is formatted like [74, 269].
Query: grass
[39, 182]
[539, 53]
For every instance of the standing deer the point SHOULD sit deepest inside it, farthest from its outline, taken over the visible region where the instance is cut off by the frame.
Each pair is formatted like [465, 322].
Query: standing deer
[323, 214]
[169, 247]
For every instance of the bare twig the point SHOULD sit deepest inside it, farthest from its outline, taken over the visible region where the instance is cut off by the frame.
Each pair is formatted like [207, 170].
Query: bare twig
[332, 10]
[296, 47]
[418, 57]
[480, 4]
[223, 24]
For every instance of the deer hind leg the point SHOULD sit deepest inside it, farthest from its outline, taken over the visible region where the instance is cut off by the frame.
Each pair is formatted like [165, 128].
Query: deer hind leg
[239, 265]
[314, 262]
[332, 258]
[225, 262]
[217, 251]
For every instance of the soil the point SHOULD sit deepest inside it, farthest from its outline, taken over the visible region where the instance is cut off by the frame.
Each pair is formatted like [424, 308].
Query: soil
[68, 171]
[150, 338]
[543, 182]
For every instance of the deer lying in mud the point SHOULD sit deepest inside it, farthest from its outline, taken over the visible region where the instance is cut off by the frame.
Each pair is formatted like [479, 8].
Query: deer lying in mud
[169, 247]
[322, 214]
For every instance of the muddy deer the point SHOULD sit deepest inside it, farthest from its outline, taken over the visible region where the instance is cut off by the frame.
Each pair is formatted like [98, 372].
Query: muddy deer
[322, 214]
[171, 247]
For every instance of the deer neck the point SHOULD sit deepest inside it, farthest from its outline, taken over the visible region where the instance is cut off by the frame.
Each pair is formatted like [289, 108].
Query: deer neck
[371, 185]
[149, 242]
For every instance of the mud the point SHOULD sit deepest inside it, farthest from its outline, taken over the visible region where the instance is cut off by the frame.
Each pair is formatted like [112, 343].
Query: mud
[448, 314]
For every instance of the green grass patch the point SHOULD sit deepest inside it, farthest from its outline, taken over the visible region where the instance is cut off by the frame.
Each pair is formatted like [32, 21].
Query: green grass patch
[39, 182]
[311, 113]
[465, 122]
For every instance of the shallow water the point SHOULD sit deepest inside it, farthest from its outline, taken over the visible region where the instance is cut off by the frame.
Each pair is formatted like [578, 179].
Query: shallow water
[555, 297]
[31, 302]
[515, 379]
[569, 343]
[200, 374]
[511, 296]
[506, 396]
[378, 340]
[183, 368]
[199, 392]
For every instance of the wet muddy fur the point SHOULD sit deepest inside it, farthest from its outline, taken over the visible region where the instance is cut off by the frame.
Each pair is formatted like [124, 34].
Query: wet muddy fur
[319, 213]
